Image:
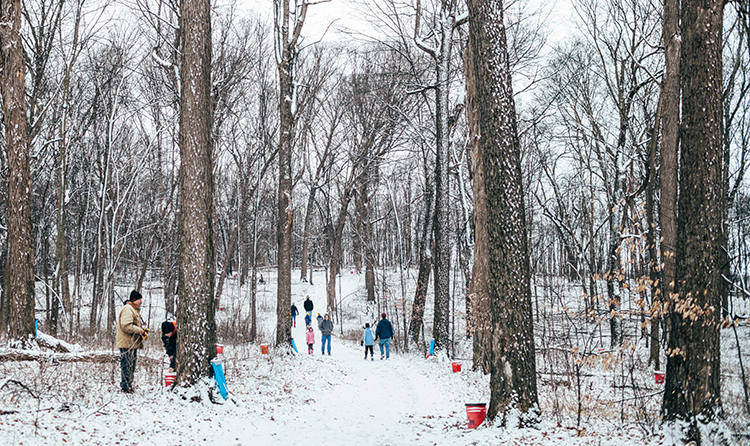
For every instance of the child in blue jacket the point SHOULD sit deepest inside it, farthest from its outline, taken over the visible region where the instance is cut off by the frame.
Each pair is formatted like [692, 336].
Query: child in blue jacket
[368, 340]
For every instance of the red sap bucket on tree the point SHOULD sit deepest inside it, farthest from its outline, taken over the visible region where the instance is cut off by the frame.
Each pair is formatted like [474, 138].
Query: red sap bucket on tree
[169, 378]
[219, 349]
[659, 377]
[456, 366]
[264, 349]
[476, 412]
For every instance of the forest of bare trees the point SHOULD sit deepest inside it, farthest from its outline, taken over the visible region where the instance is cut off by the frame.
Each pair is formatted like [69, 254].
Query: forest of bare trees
[495, 160]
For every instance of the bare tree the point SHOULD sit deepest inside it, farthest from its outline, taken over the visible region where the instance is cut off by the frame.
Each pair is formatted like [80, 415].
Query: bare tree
[195, 313]
[438, 43]
[693, 388]
[670, 123]
[513, 380]
[287, 49]
[478, 314]
[18, 286]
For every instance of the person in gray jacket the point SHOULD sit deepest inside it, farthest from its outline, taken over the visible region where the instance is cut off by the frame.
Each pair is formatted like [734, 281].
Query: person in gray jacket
[326, 328]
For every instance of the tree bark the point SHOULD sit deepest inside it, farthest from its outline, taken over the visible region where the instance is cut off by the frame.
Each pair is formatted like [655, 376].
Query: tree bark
[513, 380]
[480, 320]
[425, 266]
[18, 286]
[197, 270]
[441, 225]
[693, 383]
[287, 46]
[670, 123]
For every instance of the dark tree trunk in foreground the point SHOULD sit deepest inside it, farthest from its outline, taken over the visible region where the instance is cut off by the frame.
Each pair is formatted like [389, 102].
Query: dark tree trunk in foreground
[18, 286]
[693, 388]
[513, 380]
[670, 123]
[480, 318]
[195, 313]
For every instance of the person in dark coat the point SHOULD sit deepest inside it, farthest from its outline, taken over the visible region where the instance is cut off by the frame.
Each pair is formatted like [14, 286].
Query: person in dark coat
[308, 320]
[326, 328]
[384, 332]
[169, 338]
[295, 312]
[308, 305]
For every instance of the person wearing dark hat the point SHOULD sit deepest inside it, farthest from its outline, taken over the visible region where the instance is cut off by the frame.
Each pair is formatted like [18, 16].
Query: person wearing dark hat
[169, 338]
[384, 332]
[129, 338]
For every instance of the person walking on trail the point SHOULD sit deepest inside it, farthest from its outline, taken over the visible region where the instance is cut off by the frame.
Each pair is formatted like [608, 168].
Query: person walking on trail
[129, 338]
[310, 339]
[384, 332]
[326, 328]
[308, 305]
[320, 319]
[368, 341]
[308, 320]
[169, 338]
[295, 312]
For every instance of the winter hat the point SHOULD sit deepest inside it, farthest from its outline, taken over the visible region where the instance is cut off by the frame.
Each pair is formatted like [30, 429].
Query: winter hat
[135, 295]
[309, 328]
[167, 327]
[367, 325]
[382, 315]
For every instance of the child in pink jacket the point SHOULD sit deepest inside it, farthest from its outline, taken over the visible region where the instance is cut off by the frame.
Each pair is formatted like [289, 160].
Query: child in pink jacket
[310, 340]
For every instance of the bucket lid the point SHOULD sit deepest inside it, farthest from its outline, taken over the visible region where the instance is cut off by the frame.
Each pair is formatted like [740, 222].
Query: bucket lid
[476, 404]
[216, 361]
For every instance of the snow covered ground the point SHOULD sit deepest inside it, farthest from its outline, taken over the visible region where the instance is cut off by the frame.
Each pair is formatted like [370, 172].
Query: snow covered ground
[282, 399]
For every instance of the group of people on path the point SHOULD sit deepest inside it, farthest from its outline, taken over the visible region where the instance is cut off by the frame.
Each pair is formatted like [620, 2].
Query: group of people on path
[383, 334]
[325, 325]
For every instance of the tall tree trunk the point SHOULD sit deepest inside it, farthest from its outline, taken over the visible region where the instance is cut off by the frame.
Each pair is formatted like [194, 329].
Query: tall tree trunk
[286, 43]
[197, 270]
[441, 225]
[480, 321]
[18, 286]
[513, 380]
[670, 123]
[693, 385]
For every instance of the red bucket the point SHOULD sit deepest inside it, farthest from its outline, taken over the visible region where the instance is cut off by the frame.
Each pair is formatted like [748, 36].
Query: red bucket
[476, 412]
[264, 349]
[659, 377]
[456, 366]
[219, 349]
[169, 379]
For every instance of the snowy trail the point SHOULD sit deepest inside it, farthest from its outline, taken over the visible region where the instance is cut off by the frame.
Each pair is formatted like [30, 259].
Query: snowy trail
[347, 399]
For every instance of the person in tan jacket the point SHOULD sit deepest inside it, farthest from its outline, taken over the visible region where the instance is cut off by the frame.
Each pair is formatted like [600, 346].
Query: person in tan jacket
[129, 339]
